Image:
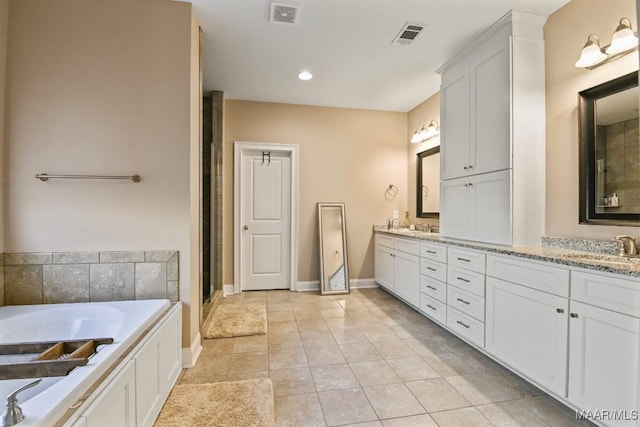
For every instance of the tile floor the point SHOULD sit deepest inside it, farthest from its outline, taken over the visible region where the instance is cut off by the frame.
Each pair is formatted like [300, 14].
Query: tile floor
[368, 359]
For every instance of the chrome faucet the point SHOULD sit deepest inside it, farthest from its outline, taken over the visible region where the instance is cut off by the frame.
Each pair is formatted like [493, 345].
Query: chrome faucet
[13, 415]
[629, 247]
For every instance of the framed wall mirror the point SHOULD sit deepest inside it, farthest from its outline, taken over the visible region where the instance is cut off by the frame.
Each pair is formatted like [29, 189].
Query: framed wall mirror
[334, 268]
[428, 185]
[610, 153]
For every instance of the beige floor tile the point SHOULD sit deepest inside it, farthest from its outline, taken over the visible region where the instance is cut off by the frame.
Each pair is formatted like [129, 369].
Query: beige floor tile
[349, 336]
[212, 367]
[324, 355]
[341, 323]
[317, 338]
[287, 359]
[393, 349]
[360, 352]
[217, 346]
[513, 413]
[553, 412]
[292, 381]
[481, 389]
[448, 364]
[414, 421]
[465, 417]
[287, 327]
[412, 369]
[247, 376]
[251, 344]
[346, 407]
[334, 377]
[299, 410]
[284, 341]
[437, 395]
[392, 401]
[332, 313]
[242, 363]
[367, 424]
[409, 330]
[306, 314]
[427, 346]
[477, 360]
[280, 316]
[312, 325]
[279, 307]
[374, 373]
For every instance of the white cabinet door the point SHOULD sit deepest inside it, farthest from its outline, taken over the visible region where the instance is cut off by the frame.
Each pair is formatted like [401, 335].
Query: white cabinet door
[454, 104]
[490, 99]
[490, 207]
[527, 329]
[407, 277]
[384, 263]
[454, 208]
[603, 360]
[116, 406]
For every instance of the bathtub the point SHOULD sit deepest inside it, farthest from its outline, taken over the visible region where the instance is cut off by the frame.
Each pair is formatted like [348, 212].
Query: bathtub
[124, 321]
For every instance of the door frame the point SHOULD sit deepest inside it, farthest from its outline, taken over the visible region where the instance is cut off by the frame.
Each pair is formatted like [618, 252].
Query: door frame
[239, 148]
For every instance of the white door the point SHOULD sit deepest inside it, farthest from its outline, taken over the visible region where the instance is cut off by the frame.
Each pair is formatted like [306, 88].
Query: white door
[384, 266]
[454, 208]
[454, 104]
[265, 219]
[490, 207]
[407, 277]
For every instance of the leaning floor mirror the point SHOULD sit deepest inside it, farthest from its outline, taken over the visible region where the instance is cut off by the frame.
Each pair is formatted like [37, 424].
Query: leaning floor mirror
[334, 270]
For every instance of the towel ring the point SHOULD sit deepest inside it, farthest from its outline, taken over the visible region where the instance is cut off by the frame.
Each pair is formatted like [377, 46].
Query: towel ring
[391, 191]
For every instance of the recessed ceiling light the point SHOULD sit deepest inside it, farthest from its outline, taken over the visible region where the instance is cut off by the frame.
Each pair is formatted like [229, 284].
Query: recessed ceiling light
[305, 75]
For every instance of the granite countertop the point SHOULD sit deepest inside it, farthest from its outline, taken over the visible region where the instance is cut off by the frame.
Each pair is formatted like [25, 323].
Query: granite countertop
[569, 257]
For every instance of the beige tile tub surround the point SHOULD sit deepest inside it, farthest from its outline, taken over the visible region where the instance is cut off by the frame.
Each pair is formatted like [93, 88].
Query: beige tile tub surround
[64, 277]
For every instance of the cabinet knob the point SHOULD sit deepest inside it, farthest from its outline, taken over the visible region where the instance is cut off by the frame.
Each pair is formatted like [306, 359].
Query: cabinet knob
[560, 310]
[470, 185]
[465, 168]
[574, 315]
[470, 166]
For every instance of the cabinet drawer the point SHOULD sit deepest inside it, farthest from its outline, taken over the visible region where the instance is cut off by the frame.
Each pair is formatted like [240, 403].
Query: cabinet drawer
[609, 292]
[433, 288]
[467, 280]
[433, 252]
[433, 269]
[464, 258]
[433, 308]
[409, 246]
[542, 277]
[466, 326]
[466, 302]
[384, 240]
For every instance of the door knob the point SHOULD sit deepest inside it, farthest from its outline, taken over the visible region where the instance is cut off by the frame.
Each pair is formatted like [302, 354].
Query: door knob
[246, 227]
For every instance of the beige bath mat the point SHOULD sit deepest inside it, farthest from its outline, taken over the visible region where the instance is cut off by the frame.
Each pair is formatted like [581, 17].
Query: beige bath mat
[231, 320]
[232, 404]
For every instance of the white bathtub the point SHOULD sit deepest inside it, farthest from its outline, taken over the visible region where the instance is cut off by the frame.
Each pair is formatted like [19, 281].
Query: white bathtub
[124, 321]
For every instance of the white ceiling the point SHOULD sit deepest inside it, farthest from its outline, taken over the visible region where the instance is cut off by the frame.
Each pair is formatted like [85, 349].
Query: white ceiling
[346, 44]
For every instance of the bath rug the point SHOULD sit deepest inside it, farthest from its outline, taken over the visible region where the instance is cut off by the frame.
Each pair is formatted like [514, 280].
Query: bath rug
[234, 320]
[231, 403]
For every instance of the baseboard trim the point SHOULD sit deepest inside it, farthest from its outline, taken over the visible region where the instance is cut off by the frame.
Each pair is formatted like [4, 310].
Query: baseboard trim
[190, 355]
[307, 286]
[228, 290]
[314, 285]
[363, 283]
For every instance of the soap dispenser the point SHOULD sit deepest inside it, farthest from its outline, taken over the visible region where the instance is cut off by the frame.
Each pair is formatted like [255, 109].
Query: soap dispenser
[613, 201]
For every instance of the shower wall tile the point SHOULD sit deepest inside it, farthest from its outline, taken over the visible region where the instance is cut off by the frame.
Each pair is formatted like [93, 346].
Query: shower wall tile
[111, 282]
[61, 277]
[120, 256]
[76, 257]
[23, 284]
[27, 258]
[151, 280]
[65, 283]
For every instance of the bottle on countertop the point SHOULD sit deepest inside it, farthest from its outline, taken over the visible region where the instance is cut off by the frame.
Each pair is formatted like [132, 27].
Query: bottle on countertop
[407, 221]
[613, 200]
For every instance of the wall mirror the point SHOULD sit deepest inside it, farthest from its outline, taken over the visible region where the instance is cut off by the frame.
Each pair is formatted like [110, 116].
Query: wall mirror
[334, 269]
[428, 185]
[610, 153]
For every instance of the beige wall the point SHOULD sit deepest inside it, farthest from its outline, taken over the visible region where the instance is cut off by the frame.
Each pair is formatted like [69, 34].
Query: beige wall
[565, 33]
[346, 156]
[4, 28]
[101, 87]
[420, 115]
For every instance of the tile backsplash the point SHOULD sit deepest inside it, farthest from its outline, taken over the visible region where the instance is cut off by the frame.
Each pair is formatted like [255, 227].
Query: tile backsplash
[61, 277]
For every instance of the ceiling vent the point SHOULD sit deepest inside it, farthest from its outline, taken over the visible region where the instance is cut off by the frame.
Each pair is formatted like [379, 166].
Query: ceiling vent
[408, 33]
[284, 13]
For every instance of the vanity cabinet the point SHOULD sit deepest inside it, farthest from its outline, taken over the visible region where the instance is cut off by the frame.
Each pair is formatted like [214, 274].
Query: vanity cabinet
[433, 278]
[492, 115]
[604, 344]
[397, 267]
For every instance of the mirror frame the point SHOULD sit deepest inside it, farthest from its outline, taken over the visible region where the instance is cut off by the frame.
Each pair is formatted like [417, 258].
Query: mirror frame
[324, 290]
[422, 155]
[587, 166]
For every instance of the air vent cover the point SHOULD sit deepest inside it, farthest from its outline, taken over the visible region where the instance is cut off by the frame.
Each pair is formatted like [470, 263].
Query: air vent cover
[284, 13]
[408, 33]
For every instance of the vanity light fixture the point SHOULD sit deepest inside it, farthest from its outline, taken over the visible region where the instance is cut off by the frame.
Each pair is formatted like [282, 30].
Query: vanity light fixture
[305, 75]
[426, 133]
[623, 41]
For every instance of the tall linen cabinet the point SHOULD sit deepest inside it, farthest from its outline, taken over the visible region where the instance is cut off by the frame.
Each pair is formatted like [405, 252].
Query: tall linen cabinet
[492, 135]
